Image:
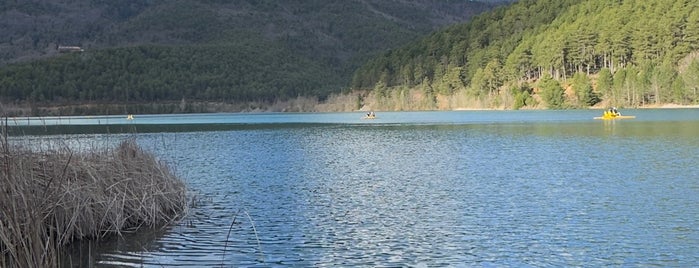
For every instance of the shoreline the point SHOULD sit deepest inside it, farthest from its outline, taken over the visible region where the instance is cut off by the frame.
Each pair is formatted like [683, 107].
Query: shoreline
[669, 106]
[88, 110]
[653, 106]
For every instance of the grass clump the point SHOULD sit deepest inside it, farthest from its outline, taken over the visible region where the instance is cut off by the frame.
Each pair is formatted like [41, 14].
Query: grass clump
[51, 198]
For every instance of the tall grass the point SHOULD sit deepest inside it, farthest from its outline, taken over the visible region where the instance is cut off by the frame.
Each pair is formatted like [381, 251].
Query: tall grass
[52, 197]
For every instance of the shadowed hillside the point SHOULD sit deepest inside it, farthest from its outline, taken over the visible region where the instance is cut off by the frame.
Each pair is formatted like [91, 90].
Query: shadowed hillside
[155, 51]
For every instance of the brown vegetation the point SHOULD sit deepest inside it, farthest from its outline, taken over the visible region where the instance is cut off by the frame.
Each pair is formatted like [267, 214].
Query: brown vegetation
[51, 198]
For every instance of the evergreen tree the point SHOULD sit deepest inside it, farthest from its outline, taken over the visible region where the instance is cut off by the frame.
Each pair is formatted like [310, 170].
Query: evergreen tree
[679, 94]
[605, 82]
[522, 96]
[552, 92]
[691, 81]
[583, 90]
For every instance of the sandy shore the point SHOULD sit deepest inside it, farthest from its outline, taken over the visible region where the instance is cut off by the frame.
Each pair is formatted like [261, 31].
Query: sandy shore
[668, 106]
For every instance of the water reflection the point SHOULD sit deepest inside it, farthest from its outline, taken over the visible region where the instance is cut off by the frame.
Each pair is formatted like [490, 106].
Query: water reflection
[130, 246]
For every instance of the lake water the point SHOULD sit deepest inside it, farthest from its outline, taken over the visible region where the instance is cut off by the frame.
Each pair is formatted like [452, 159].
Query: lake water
[416, 189]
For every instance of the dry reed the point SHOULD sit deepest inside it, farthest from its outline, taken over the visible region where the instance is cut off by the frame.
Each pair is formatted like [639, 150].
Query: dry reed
[54, 197]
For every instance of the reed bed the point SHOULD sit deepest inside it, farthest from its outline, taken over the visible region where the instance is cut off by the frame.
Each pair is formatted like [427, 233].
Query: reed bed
[51, 198]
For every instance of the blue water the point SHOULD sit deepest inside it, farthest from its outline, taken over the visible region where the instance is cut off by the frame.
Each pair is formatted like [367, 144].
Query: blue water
[435, 117]
[425, 189]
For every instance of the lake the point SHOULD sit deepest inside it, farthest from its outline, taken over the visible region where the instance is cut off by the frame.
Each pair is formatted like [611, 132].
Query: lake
[416, 189]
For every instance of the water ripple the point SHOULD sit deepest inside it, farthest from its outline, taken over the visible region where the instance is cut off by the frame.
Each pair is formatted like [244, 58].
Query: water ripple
[518, 195]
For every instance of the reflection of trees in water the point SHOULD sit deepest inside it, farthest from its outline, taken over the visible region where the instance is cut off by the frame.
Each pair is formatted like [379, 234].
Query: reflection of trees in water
[86, 253]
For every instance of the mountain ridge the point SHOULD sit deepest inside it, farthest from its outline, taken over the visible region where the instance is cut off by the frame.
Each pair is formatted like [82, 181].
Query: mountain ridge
[34, 28]
[222, 50]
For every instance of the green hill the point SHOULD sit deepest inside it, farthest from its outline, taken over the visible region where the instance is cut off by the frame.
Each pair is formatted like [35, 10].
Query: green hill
[552, 53]
[206, 50]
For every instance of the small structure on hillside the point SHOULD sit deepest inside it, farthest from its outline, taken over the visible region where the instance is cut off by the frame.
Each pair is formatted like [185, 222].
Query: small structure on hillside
[68, 49]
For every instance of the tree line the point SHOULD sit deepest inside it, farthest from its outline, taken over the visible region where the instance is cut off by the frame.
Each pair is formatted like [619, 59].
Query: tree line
[628, 53]
[166, 73]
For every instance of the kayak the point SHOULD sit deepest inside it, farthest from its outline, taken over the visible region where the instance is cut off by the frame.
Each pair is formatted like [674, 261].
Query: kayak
[615, 117]
[369, 117]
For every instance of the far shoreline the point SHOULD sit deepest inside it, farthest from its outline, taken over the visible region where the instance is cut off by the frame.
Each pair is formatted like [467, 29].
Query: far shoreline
[669, 106]
[651, 106]
[116, 109]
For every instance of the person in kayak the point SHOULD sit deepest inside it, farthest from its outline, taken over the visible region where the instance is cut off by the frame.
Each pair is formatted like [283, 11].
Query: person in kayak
[612, 112]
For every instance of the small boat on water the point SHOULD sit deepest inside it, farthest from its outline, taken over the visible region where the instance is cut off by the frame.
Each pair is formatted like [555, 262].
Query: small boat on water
[370, 115]
[613, 114]
[614, 117]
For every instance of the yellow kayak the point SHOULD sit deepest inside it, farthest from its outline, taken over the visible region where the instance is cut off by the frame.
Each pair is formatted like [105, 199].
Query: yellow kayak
[369, 117]
[615, 117]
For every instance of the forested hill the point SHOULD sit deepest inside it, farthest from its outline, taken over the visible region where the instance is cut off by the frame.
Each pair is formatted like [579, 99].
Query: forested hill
[222, 50]
[568, 53]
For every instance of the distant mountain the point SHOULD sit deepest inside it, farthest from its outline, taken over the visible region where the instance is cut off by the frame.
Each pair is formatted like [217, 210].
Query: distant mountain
[238, 50]
[34, 28]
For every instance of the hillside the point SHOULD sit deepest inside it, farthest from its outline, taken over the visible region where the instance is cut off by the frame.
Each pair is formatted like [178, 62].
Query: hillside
[209, 50]
[34, 28]
[547, 53]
